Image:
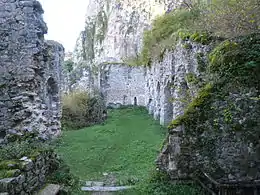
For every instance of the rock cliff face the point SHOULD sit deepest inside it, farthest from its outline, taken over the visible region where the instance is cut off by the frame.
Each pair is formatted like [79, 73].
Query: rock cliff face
[30, 71]
[114, 32]
[114, 29]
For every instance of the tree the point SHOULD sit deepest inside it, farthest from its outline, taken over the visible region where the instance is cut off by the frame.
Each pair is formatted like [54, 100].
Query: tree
[231, 18]
[68, 65]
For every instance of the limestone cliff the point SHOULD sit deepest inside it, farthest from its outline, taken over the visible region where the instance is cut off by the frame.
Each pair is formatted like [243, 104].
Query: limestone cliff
[114, 29]
[30, 71]
[114, 32]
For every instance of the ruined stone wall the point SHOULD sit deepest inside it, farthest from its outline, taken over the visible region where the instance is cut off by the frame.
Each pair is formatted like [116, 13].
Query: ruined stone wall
[121, 84]
[27, 175]
[168, 90]
[113, 33]
[30, 71]
[162, 88]
[218, 131]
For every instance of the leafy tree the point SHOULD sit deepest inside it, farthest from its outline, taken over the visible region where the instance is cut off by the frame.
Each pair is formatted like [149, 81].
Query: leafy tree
[230, 18]
[68, 65]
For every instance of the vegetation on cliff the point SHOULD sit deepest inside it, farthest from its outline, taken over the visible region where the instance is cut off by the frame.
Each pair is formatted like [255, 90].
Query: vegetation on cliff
[234, 63]
[200, 23]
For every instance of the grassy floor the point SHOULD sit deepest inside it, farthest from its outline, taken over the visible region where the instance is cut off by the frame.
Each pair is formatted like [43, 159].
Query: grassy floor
[127, 145]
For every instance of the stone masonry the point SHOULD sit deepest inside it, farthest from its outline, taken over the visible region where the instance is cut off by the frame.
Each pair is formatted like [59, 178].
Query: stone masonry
[28, 174]
[30, 71]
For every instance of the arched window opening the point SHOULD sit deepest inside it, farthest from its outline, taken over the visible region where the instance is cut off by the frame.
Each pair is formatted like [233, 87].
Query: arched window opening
[135, 101]
[124, 100]
[52, 95]
[168, 106]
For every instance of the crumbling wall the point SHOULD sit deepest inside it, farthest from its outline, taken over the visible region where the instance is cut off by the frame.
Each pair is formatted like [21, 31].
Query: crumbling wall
[121, 84]
[163, 88]
[30, 71]
[28, 174]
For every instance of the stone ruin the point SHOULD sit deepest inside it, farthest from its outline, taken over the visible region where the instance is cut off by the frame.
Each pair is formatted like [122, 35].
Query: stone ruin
[30, 70]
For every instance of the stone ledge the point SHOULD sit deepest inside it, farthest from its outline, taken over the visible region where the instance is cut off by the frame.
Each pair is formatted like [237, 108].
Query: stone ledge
[50, 189]
[105, 188]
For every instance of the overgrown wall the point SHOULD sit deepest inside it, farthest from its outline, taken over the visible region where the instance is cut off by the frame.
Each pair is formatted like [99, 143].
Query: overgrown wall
[27, 175]
[218, 132]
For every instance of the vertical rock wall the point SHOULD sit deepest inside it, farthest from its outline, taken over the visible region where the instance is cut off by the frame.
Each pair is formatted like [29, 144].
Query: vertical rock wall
[30, 71]
[113, 32]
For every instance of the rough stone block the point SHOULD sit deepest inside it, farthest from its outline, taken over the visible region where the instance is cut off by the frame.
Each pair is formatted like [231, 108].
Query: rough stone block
[50, 189]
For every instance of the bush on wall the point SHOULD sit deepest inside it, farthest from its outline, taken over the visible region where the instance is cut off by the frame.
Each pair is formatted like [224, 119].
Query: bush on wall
[81, 110]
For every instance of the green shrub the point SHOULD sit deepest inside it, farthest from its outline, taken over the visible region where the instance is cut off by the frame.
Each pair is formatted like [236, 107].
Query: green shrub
[237, 59]
[62, 175]
[187, 46]
[231, 18]
[68, 65]
[79, 110]
[164, 32]
[19, 149]
[192, 78]
[201, 62]
[199, 23]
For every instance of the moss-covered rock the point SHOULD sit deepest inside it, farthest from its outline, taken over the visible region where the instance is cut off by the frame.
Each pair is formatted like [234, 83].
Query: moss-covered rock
[192, 78]
[237, 59]
[202, 65]
[9, 164]
[187, 46]
[202, 97]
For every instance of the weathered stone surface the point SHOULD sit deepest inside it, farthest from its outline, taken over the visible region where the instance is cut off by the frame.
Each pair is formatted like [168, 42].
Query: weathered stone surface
[50, 189]
[105, 188]
[114, 32]
[123, 85]
[30, 71]
[32, 175]
[94, 183]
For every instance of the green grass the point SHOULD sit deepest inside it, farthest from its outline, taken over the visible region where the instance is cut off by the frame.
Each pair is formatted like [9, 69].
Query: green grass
[126, 145]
